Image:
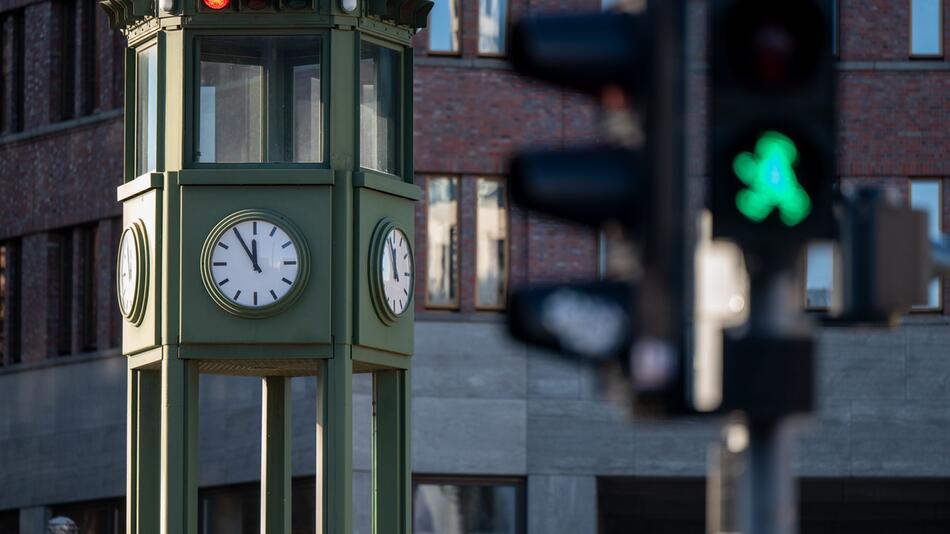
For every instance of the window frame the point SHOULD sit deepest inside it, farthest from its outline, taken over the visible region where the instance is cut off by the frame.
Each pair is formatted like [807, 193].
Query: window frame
[519, 483]
[927, 308]
[507, 278]
[498, 55]
[192, 109]
[910, 35]
[458, 264]
[444, 53]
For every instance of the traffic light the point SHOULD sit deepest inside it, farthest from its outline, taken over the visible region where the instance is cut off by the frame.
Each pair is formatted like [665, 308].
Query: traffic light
[636, 182]
[772, 122]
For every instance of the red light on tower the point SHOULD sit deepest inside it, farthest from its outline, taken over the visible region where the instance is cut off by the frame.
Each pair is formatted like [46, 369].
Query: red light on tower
[217, 4]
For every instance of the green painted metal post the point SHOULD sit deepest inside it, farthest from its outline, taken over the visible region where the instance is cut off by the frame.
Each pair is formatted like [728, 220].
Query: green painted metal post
[335, 445]
[179, 445]
[391, 453]
[144, 453]
[275, 455]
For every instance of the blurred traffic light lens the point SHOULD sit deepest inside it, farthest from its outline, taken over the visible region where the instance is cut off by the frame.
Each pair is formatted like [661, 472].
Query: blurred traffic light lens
[257, 5]
[217, 4]
[775, 44]
[771, 182]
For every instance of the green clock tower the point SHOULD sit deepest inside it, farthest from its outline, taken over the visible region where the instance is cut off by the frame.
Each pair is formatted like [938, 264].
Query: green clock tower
[268, 214]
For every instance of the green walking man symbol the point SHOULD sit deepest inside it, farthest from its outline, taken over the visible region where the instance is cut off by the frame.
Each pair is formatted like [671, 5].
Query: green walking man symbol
[771, 182]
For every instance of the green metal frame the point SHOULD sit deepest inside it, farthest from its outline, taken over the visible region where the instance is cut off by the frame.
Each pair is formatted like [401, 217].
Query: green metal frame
[331, 330]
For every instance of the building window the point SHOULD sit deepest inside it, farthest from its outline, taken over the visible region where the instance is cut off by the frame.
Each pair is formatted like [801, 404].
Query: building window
[230, 509]
[65, 57]
[87, 287]
[10, 283]
[442, 232]
[926, 195]
[101, 517]
[12, 54]
[146, 111]
[491, 252]
[61, 287]
[260, 100]
[379, 108]
[444, 27]
[926, 28]
[492, 26]
[485, 506]
[819, 275]
[88, 66]
[237, 509]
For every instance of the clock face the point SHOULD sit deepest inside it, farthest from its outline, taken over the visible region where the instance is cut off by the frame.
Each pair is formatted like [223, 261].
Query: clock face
[255, 263]
[128, 272]
[396, 270]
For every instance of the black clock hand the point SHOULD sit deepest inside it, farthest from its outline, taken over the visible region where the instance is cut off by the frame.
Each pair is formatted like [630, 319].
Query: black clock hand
[249, 254]
[392, 254]
[254, 259]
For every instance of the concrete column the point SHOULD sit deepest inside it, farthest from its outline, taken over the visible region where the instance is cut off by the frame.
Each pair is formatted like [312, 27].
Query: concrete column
[33, 520]
[562, 504]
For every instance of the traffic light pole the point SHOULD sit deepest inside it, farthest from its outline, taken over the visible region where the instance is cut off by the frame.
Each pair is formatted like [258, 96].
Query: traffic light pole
[767, 485]
[777, 337]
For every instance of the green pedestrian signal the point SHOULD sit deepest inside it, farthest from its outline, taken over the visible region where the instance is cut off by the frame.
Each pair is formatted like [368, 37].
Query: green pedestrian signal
[771, 182]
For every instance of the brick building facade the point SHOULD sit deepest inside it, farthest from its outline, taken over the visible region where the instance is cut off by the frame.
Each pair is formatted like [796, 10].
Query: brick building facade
[523, 438]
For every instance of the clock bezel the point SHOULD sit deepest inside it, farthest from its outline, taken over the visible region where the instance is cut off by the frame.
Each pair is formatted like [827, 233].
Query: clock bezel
[303, 263]
[139, 236]
[377, 291]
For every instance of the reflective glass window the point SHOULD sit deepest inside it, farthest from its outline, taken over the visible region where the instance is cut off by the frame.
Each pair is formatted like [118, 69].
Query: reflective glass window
[491, 253]
[925, 28]
[492, 26]
[379, 108]
[442, 231]
[444, 27]
[462, 507]
[819, 275]
[101, 517]
[925, 195]
[146, 111]
[260, 99]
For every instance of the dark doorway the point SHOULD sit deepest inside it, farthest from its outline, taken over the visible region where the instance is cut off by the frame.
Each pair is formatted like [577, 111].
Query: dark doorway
[827, 506]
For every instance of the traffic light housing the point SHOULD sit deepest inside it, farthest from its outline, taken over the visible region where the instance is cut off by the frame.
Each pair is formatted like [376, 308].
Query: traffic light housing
[638, 183]
[772, 122]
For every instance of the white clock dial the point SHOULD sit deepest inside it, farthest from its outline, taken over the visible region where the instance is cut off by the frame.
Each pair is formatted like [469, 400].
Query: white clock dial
[128, 272]
[396, 269]
[255, 263]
